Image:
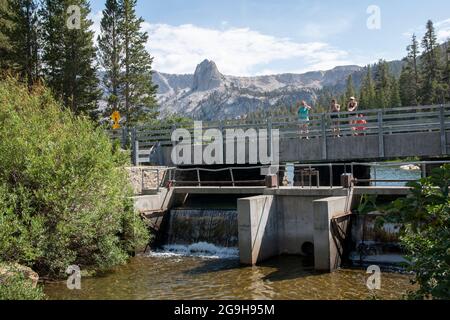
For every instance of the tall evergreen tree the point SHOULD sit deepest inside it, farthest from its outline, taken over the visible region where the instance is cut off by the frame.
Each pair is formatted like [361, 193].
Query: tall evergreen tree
[138, 89]
[413, 58]
[350, 89]
[395, 100]
[383, 85]
[24, 39]
[69, 55]
[110, 54]
[412, 70]
[446, 78]
[408, 89]
[431, 68]
[6, 24]
[367, 92]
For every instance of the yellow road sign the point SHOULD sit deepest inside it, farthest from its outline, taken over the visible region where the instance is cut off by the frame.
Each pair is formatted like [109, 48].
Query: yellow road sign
[116, 118]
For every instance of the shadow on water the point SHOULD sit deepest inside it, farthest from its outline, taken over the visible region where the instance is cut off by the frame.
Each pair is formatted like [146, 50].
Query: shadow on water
[285, 267]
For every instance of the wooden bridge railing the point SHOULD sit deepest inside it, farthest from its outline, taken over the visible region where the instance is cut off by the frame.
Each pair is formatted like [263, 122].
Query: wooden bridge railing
[381, 122]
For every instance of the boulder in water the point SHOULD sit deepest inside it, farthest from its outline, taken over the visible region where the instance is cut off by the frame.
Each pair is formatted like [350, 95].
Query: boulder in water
[410, 167]
[11, 270]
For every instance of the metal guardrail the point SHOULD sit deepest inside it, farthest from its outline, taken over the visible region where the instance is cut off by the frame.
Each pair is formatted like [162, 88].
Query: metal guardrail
[347, 168]
[378, 122]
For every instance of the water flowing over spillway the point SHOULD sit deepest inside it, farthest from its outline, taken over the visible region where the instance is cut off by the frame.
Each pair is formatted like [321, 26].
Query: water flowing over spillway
[202, 232]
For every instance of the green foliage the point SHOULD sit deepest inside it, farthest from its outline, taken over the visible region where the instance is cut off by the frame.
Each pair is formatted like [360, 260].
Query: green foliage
[425, 215]
[431, 67]
[367, 93]
[138, 92]
[110, 51]
[24, 39]
[69, 56]
[350, 91]
[395, 100]
[367, 204]
[64, 197]
[18, 287]
[408, 88]
[383, 85]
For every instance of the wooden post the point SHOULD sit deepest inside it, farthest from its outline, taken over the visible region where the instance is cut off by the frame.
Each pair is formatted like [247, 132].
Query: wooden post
[136, 152]
[198, 178]
[269, 133]
[443, 133]
[123, 141]
[174, 127]
[134, 147]
[232, 176]
[324, 137]
[380, 135]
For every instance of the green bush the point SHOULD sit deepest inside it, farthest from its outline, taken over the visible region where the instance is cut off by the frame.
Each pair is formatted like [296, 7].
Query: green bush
[425, 215]
[19, 288]
[64, 195]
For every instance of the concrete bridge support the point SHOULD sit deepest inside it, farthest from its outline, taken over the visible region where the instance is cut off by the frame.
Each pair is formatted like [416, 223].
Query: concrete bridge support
[326, 246]
[271, 225]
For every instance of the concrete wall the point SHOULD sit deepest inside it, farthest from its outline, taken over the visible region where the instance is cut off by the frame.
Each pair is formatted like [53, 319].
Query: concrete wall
[352, 147]
[271, 225]
[257, 228]
[161, 201]
[326, 257]
[295, 226]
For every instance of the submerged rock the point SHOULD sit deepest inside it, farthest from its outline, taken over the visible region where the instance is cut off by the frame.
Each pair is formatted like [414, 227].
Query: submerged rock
[410, 167]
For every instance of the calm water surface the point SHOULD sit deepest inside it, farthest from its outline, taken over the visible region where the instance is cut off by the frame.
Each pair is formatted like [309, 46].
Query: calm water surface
[165, 276]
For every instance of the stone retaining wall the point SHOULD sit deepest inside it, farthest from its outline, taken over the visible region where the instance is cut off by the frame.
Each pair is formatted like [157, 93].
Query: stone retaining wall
[149, 174]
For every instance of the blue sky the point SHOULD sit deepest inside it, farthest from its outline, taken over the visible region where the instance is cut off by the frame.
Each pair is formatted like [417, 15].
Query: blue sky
[253, 37]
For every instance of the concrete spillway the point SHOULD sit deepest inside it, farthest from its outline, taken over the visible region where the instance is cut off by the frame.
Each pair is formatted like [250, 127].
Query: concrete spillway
[188, 226]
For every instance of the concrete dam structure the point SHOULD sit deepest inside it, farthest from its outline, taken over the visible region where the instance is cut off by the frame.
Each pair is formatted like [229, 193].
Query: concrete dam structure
[261, 222]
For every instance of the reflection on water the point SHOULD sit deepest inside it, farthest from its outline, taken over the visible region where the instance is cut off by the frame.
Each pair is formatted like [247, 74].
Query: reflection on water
[180, 277]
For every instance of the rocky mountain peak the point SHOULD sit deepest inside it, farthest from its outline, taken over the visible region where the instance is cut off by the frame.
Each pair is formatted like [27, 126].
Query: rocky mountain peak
[207, 76]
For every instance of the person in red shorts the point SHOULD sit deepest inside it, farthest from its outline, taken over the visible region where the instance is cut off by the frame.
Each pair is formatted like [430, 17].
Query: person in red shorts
[361, 125]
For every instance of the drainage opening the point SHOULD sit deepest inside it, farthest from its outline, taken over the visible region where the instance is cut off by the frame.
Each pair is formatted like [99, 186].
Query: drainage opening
[308, 249]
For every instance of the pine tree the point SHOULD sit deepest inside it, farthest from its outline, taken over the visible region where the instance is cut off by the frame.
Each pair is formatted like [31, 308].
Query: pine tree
[413, 57]
[383, 85]
[431, 69]
[412, 68]
[408, 89]
[367, 92]
[350, 89]
[24, 39]
[446, 77]
[395, 100]
[53, 25]
[69, 56]
[110, 54]
[139, 91]
[6, 24]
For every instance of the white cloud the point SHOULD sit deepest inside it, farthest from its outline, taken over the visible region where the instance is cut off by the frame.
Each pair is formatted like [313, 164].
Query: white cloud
[236, 51]
[442, 29]
[325, 30]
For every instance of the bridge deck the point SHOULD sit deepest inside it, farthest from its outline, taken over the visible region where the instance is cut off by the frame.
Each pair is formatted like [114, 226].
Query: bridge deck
[294, 191]
[386, 134]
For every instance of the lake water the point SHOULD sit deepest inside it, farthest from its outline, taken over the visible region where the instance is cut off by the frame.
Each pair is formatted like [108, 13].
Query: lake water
[174, 275]
[205, 271]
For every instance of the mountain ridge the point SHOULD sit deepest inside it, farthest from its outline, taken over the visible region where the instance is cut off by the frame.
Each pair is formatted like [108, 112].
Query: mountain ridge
[207, 94]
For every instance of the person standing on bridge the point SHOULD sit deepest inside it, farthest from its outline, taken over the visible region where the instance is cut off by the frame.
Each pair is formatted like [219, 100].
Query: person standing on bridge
[334, 110]
[352, 107]
[303, 118]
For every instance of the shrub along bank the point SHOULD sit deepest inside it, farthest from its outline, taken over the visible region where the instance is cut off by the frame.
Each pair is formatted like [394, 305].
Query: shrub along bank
[64, 197]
